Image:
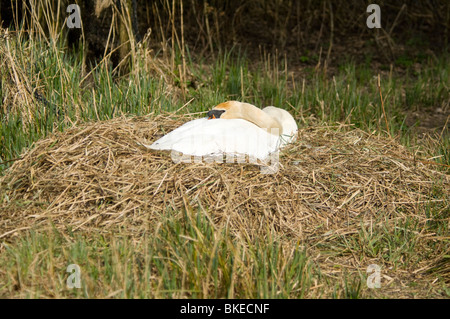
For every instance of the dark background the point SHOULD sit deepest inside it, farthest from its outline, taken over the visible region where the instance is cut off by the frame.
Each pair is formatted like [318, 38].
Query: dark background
[303, 30]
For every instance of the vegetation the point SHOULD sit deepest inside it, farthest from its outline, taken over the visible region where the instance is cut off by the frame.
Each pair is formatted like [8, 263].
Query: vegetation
[48, 84]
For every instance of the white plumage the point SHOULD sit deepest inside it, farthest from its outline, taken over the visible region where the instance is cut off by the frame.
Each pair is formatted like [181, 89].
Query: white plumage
[228, 135]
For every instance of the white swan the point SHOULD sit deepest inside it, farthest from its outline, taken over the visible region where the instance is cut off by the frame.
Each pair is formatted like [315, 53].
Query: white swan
[232, 128]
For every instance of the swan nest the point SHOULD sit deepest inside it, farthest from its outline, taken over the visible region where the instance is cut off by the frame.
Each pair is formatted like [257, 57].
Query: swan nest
[96, 177]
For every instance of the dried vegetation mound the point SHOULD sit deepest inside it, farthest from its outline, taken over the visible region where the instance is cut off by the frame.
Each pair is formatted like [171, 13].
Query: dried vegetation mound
[97, 177]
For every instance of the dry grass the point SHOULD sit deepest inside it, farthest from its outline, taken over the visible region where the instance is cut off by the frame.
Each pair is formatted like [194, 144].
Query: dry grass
[97, 176]
[19, 96]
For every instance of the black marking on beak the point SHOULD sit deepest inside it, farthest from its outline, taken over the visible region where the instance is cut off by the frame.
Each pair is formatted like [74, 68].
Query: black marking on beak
[215, 114]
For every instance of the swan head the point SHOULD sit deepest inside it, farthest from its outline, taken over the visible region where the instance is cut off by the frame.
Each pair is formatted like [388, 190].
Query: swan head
[226, 110]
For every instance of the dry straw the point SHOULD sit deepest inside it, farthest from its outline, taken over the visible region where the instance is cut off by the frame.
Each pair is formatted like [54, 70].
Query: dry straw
[97, 178]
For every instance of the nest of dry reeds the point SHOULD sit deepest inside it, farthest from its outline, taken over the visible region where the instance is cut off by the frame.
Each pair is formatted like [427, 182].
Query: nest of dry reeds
[97, 176]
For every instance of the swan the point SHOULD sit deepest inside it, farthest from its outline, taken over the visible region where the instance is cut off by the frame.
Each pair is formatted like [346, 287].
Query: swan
[232, 128]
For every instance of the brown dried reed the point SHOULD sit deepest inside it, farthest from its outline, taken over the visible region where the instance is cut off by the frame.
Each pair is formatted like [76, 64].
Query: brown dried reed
[96, 177]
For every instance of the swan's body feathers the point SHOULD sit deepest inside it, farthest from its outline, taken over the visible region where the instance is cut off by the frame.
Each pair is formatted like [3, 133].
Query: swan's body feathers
[232, 133]
[205, 137]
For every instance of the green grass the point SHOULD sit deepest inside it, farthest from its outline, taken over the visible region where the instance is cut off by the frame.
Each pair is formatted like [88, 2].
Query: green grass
[186, 256]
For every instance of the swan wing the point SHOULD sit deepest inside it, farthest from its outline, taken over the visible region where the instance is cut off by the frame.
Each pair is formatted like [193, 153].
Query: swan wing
[203, 137]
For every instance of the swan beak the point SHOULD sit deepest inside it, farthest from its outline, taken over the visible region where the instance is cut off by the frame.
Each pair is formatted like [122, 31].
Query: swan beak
[211, 117]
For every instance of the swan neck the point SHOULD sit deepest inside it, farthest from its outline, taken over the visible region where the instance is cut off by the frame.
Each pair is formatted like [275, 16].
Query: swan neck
[261, 119]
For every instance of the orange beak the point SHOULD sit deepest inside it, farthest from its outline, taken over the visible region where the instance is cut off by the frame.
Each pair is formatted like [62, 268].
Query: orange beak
[212, 117]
